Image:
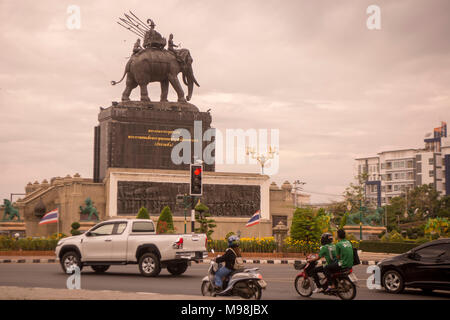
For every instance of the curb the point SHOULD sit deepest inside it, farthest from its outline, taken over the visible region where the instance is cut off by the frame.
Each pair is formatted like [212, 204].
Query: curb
[29, 260]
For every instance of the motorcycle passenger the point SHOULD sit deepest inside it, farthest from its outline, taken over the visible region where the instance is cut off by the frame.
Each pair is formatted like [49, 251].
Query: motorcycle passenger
[327, 250]
[229, 258]
[344, 250]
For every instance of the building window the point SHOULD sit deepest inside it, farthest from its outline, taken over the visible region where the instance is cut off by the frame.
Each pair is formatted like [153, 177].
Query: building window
[430, 161]
[431, 173]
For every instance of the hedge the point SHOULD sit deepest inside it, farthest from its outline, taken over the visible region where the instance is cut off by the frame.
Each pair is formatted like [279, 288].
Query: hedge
[9, 243]
[386, 247]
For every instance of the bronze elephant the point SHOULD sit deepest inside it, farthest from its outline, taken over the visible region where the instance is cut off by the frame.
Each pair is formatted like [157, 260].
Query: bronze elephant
[156, 65]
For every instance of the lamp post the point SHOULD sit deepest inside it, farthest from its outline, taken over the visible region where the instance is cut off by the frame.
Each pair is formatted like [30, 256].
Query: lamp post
[261, 158]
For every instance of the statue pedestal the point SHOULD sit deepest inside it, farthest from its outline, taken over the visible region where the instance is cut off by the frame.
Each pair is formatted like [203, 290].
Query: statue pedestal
[138, 134]
[10, 228]
[368, 232]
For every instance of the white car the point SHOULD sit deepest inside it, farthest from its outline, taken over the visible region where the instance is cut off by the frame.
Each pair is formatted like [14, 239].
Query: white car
[131, 241]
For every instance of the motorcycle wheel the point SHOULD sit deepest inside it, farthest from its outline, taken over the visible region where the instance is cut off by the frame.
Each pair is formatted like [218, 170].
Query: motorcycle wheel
[303, 286]
[207, 289]
[346, 290]
[257, 292]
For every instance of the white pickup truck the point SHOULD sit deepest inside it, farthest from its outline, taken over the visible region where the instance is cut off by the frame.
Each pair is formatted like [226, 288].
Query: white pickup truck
[131, 241]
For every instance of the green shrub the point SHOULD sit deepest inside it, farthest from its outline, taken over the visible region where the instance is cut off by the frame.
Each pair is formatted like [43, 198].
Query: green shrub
[393, 236]
[9, 243]
[165, 221]
[75, 226]
[143, 214]
[304, 226]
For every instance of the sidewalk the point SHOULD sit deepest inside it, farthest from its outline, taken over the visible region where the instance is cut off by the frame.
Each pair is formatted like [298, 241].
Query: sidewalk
[18, 293]
[367, 258]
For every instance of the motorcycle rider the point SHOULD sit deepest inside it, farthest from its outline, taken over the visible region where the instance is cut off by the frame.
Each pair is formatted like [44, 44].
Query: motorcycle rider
[233, 251]
[327, 250]
[344, 250]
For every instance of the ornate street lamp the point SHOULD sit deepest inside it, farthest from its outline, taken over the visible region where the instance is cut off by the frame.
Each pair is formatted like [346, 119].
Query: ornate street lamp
[261, 158]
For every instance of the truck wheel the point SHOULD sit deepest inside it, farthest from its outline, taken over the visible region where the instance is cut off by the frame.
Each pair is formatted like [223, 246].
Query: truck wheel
[100, 269]
[177, 268]
[149, 265]
[69, 259]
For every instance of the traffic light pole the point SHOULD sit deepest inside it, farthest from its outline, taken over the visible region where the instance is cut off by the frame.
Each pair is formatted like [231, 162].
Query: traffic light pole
[193, 214]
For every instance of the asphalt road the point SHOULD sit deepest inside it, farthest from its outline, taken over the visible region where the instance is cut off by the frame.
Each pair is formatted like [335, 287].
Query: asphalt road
[280, 279]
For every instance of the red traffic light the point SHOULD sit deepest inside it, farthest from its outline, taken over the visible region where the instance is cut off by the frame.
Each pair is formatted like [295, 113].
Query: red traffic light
[198, 171]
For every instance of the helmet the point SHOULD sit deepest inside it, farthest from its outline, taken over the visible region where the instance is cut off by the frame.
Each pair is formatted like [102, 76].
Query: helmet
[326, 238]
[233, 241]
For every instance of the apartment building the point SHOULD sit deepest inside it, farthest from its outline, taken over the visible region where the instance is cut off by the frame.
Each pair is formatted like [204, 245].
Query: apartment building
[391, 173]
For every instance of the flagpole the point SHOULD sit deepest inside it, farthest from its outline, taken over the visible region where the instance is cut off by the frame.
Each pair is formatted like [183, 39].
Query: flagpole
[259, 225]
[57, 221]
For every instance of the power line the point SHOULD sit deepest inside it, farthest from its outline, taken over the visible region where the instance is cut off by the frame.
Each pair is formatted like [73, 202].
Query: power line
[324, 194]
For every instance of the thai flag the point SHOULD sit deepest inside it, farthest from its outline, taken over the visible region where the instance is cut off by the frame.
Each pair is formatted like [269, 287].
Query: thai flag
[50, 217]
[254, 219]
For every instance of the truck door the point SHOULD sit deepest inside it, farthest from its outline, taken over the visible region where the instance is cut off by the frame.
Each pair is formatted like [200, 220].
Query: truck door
[119, 242]
[97, 245]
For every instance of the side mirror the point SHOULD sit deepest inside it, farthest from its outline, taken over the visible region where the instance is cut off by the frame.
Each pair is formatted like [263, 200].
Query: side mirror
[88, 234]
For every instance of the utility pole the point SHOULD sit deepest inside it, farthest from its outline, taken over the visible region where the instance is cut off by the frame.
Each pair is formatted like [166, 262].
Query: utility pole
[297, 182]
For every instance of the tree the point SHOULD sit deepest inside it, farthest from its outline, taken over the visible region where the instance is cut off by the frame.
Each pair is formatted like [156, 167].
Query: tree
[143, 214]
[202, 215]
[425, 199]
[165, 221]
[343, 220]
[395, 212]
[304, 226]
[444, 207]
[355, 192]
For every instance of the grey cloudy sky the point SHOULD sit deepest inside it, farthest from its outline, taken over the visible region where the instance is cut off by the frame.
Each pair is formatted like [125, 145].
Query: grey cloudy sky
[311, 69]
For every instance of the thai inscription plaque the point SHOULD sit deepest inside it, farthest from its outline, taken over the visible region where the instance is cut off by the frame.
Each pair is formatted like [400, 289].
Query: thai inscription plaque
[222, 200]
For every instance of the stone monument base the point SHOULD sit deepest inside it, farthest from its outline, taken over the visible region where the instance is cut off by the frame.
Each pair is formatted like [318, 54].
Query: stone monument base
[10, 228]
[368, 232]
[138, 134]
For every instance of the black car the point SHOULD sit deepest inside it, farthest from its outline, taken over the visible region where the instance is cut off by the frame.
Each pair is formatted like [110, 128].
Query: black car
[426, 267]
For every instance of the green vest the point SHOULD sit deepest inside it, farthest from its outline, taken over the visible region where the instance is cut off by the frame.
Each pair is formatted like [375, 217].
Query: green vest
[344, 251]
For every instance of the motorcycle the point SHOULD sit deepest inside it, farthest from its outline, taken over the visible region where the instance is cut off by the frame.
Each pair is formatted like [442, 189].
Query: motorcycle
[245, 283]
[344, 280]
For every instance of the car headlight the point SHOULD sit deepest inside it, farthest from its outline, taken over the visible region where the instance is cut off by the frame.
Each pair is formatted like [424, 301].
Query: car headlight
[59, 243]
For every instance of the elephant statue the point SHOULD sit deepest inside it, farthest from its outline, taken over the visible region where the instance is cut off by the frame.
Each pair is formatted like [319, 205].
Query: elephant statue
[159, 65]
